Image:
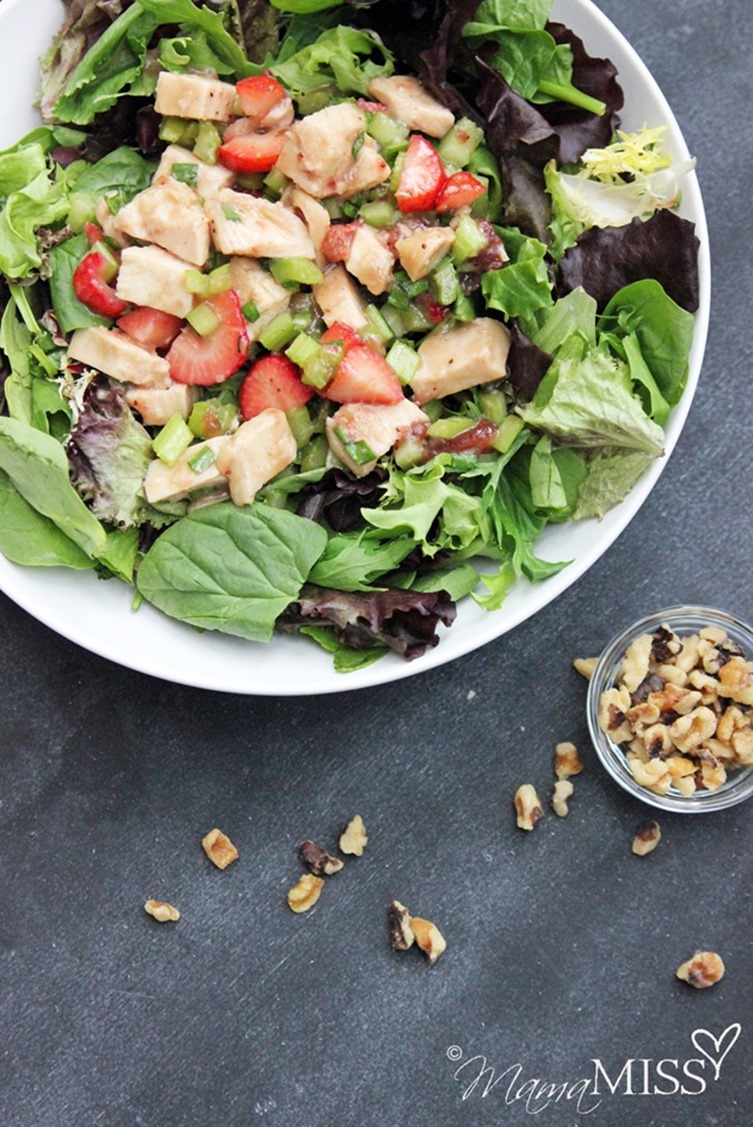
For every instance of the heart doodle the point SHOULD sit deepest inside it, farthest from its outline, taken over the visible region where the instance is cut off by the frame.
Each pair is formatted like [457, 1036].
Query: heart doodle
[714, 1048]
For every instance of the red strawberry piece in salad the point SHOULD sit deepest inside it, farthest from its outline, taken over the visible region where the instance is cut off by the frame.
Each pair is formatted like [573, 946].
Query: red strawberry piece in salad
[337, 243]
[151, 327]
[421, 176]
[91, 286]
[340, 333]
[459, 190]
[258, 94]
[212, 358]
[252, 152]
[364, 376]
[273, 381]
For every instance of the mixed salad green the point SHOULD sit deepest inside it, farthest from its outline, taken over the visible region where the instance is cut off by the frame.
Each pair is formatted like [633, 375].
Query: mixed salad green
[316, 316]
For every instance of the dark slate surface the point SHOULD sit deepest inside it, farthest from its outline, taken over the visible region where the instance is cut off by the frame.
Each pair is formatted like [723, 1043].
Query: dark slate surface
[561, 945]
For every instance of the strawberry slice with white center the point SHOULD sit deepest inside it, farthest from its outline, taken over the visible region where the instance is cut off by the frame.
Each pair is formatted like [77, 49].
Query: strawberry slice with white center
[338, 332]
[273, 381]
[421, 176]
[363, 376]
[91, 286]
[459, 190]
[252, 152]
[258, 94]
[151, 327]
[338, 241]
[214, 357]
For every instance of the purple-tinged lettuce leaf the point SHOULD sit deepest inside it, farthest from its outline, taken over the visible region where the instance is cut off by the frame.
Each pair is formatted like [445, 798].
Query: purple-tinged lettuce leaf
[338, 498]
[526, 363]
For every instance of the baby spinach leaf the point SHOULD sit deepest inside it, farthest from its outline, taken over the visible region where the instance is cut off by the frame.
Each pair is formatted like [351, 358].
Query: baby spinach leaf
[27, 537]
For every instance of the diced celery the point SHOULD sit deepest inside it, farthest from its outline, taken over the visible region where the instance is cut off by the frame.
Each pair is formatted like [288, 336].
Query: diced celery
[448, 427]
[302, 319]
[470, 240]
[359, 451]
[416, 319]
[464, 309]
[493, 406]
[293, 272]
[173, 440]
[203, 319]
[314, 454]
[387, 131]
[321, 368]
[82, 210]
[101, 248]
[397, 169]
[394, 319]
[203, 460]
[509, 429]
[444, 282]
[172, 129]
[433, 409]
[207, 143]
[278, 333]
[378, 213]
[219, 280]
[195, 281]
[409, 453]
[333, 206]
[398, 299]
[300, 424]
[303, 350]
[211, 417]
[403, 360]
[460, 143]
[251, 181]
[251, 311]
[376, 326]
[275, 182]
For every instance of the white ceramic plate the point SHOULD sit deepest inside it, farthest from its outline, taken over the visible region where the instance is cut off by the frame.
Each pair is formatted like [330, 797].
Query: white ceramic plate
[98, 615]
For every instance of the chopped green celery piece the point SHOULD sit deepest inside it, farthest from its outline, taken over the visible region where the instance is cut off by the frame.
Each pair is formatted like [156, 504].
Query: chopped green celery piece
[172, 129]
[303, 349]
[82, 210]
[509, 429]
[378, 213]
[302, 319]
[185, 173]
[394, 319]
[464, 309]
[202, 460]
[321, 368]
[275, 182]
[211, 417]
[359, 451]
[207, 143]
[333, 206]
[173, 440]
[416, 319]
[460, 143]
[433, 409]
[470, 240]
[387, 131]
[314, 454]
[409, 453]
[294, 272]
[493, 406]
[251, 311]
[219, 279]
[203, 319]
[101, 248]
[196, 282]
[301, 425]
[413, 289]
[251, 181]
[376, 327]
[403, 360]
[278, 333]
[443, 282]
[448, 427]
[397, 169]
[398, 299]
[350, 208]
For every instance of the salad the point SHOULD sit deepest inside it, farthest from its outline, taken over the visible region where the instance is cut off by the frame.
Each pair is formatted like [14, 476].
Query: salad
[315, 319]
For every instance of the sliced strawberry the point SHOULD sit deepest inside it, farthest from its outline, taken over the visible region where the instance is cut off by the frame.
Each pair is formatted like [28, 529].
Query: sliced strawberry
[364, 376]
[459, 190]
[370, 107]
[252, 152]
[337, 242]
[259, 94]
[421, 176]
[90, 286]
[151, 327]
[273, 381]
[211, 359]
[93, 232]
[339, 331]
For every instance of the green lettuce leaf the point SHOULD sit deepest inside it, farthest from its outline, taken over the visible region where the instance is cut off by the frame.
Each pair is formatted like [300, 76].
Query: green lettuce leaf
[29, 538]
[342, 59]
[522, 286]
[70, 313]
[354, 562]
[41, 202]
[611, 476]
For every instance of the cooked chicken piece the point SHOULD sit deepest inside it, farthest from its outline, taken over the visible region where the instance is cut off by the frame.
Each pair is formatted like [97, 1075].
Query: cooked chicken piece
[173, 483]
[339, 300]
[380, 427]
[194, 95]
[157, 405]
[410, 102]
[209, 177]
[170, 214]
[318, 153]
[115, 354]
[152, 276]
[314, 216]
[464, 357]
[259, 450]
[253, 283]
[250, 225]
[371, 260]
[420, 252]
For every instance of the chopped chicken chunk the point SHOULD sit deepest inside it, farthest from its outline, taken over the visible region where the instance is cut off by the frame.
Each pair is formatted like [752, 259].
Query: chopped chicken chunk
[194, 95]
[371, 260]
[464, 357]
[260, 449]
[410, 102]
[157, 405]
[252, 283]
[173, 483]
[379, 427]
[115, 354]
[314, 216]
[420, 252]
[339, 300]
[209, 177]
[152, 276]
[250, 225]
[170, 214]
[318, 153]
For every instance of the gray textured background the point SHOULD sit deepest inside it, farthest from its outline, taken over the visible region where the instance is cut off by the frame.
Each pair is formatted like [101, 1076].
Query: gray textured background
[561, 945]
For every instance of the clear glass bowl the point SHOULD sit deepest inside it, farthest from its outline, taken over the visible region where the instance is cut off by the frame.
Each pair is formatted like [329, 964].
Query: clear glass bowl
[683, 621]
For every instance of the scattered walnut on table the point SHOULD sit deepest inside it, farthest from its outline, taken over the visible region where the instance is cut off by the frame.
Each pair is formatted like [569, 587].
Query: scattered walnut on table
[528, 807]
[317, 860]
[161, 911]
[399, 923]
[219, 849]
[566, 760]
[585, 666]
[305, 893]
[563, 790]
[429, 938]
[647, 837]
[353, 838]
[705, 969]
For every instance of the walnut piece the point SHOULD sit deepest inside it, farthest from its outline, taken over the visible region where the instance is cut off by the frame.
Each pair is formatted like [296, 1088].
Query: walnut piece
[703, 970]
[305, 893]
[566, 760]
[161, 911]
[219, 849]
[399, 922]
[528, 807]
[563, 790]
[585, 666]
[317, 860]
[647, 837]
[353, 838]
[429, 938]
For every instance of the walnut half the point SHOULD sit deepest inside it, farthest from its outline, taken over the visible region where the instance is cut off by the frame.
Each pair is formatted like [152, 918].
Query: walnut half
[528, 807]
[161, 911]
[219, 849]
[703, 970]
